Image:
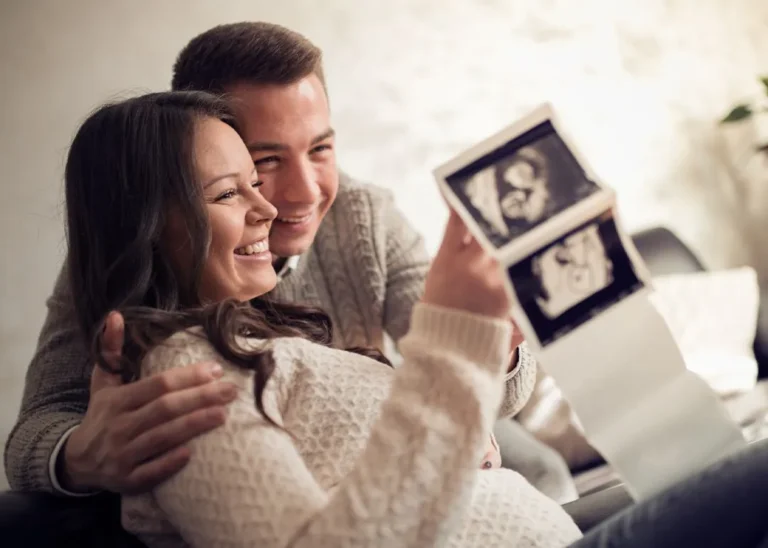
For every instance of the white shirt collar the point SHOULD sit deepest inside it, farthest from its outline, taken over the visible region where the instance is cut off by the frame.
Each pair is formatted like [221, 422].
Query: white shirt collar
[289, 266]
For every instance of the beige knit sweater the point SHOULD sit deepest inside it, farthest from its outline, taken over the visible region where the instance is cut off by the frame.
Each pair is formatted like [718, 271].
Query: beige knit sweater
[367, 456]
[366, 268]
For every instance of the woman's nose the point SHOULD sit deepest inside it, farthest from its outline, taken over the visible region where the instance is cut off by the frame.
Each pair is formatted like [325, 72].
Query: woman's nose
[261, 211]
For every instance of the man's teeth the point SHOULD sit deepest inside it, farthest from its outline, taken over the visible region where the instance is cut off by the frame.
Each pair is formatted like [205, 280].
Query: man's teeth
[258, 247]
[294, 220]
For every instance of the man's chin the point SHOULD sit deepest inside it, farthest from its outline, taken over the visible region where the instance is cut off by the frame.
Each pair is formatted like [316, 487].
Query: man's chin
[287, 241]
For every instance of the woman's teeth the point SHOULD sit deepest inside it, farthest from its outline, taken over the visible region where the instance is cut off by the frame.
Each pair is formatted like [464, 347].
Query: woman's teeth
[295, 220]
[251, 249]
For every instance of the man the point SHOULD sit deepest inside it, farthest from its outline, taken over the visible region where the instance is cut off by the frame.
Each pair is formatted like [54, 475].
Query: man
[337, 244]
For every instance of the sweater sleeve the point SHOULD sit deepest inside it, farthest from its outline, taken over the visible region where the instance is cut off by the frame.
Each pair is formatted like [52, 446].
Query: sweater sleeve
[519, 383]
[407, 263]
[247, 485]
[55, 394]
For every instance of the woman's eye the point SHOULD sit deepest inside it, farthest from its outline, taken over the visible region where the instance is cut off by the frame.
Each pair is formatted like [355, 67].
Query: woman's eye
[225, 195]
[256, 184]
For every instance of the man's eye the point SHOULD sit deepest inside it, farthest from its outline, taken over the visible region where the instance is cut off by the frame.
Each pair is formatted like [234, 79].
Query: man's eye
[321, 148]
[266, 160]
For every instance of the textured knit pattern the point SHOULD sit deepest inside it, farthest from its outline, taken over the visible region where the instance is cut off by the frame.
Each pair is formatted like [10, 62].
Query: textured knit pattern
[368, 456]
[366, 268]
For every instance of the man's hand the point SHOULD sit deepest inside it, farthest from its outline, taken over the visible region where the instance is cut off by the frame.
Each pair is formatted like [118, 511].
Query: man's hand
[133, 436]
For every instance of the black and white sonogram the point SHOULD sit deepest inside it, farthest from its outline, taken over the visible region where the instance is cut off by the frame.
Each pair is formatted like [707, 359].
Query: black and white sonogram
[564, 284]
[572, 270]
[521, 184]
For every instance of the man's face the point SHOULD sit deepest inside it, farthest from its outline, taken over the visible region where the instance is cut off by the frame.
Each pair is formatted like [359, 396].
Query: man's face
[288, 132]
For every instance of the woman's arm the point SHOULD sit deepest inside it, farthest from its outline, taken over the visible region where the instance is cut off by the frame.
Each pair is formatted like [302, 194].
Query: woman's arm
[246, 484]
[519, 382]
[407, 262]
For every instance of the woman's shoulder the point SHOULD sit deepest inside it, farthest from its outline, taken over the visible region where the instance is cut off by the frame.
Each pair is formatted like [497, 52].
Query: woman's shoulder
[189, 347]
[290, 355]
[192, 346]
[185, 347]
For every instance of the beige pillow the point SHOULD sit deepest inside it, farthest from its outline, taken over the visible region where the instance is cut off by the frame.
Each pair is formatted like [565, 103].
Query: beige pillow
[713, 318]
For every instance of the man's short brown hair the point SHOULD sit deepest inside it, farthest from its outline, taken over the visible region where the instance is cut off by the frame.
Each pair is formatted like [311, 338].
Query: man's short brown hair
[251, 52]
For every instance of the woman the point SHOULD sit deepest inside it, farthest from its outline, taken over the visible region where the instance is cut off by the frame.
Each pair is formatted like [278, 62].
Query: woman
[165, 220]
[322, 447]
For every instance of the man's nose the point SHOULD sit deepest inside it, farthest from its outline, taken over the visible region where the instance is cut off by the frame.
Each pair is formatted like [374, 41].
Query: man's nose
[302, 186]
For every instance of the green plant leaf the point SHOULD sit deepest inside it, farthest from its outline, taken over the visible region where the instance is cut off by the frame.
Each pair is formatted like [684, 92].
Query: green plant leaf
[764, 80]
[738, 113]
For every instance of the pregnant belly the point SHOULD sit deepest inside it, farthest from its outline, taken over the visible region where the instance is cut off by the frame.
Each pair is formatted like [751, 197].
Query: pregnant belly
[506, 510]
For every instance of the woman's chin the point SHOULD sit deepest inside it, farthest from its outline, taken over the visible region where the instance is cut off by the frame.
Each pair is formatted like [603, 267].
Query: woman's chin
[251, 295]
[263, 285]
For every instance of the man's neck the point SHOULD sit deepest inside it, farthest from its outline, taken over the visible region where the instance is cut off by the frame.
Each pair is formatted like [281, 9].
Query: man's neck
[284, 266]
[278, 263]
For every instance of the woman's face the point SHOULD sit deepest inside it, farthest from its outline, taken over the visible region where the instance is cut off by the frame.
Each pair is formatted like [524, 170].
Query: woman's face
[239, 263]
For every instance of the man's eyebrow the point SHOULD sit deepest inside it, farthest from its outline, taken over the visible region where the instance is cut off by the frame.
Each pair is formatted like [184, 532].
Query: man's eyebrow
[232, 175]
[266, 146]
[327, 134]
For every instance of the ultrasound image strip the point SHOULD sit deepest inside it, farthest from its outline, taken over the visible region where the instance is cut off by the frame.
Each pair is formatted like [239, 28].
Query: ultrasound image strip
[521, 184]
[566, 283]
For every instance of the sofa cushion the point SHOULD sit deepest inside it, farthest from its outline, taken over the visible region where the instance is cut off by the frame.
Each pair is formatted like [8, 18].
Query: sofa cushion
[713, 318]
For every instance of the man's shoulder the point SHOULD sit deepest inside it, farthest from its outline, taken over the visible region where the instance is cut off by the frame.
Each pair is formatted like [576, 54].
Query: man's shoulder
[355, 193]
[358, 220]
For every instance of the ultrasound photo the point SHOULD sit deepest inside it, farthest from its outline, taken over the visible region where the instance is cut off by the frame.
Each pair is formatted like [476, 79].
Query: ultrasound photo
[571, 280]
[521, 184]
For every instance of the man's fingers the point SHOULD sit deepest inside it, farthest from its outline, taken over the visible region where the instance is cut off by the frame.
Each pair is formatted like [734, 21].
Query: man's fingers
[112, 339]
[179, 403]
[111, 349]
[177, 432]
[150, 474]
[143, 391]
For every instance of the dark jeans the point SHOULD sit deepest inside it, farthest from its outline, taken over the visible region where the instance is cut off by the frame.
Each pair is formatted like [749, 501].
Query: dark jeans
[725, 506]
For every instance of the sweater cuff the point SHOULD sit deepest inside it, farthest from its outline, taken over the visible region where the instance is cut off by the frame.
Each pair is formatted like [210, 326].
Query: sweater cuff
[52, 467]
[523, 359]
[480, 339]
[512, 373]
[39, 471]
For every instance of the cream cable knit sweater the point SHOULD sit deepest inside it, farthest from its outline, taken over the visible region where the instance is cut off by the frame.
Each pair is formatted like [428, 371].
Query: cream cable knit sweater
[366, 268]
[368, 456]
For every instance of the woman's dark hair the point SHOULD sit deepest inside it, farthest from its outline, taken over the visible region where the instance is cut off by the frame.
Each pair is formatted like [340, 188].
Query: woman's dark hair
[129, 163]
